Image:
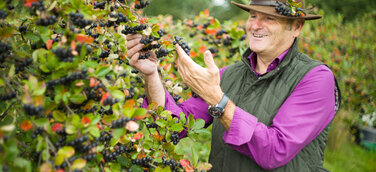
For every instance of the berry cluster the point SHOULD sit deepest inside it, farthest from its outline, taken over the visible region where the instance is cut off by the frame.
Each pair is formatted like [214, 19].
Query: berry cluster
[286, 10]
[119, 123]
[176, 97]
[108, 157]
[141, 4]
[38, 131]
[145, 56]
[152, 125]
[161, 32]
[77, 143]
[105, 136]
[195, 95]
[67, 79]
[220, 33]
[4, 51]
[38, 6]
[78, 20]
[144, 162]
[150, 47]
[172, 163]
[175, 138]
[87, 148]
[3, 14]
[104, 54]
[162, 52]
[63, 54]
[32, 110]
[89, 49]
[86, 111]
[133, 30]
[110, 101]
[99, 5]
[147, 40]
[21, 67]
[183, 44]
[120, 17]
[61, 141]
[90, 156]
[8, 96]
[227, 41]
[49, 20]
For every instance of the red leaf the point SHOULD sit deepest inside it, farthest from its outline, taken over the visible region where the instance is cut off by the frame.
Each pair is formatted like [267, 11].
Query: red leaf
[92, 82]
[26, 125]
[49, 44]
[85, 120]
[184, 163]
[193, 53]
[202, 49]
[206, 12]
[137, 136]
[104, 97]
[29, 2]
[84, 38]
[57, 127]
[211, 31]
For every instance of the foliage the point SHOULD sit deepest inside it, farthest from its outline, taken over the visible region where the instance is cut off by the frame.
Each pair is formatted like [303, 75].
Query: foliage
[70, 101]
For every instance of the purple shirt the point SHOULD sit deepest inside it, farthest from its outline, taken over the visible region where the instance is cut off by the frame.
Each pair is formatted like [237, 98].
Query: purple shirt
[301, 118]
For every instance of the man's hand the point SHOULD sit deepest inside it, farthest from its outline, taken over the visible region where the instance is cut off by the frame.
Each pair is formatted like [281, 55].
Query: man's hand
[145, 66]
[203, 81]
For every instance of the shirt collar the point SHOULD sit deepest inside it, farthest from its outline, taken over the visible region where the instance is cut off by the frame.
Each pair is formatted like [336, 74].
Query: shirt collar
[253, 61]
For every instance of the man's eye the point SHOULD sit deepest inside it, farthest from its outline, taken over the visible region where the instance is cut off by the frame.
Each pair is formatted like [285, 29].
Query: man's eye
[270, 18]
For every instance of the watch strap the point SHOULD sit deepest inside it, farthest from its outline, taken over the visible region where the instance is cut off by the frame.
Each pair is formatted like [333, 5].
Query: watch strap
[222, 104]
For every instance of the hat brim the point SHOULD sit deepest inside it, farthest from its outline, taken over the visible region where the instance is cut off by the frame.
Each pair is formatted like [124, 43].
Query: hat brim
[270, 10]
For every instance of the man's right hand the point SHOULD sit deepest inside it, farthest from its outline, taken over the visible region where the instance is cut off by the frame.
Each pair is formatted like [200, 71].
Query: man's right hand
[146, 66]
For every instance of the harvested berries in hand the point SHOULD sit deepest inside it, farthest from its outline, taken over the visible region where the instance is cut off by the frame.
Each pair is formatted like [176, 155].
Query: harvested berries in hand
[183, 44]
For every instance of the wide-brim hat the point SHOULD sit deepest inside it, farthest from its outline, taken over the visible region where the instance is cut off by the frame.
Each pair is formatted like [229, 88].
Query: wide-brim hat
[269, 7]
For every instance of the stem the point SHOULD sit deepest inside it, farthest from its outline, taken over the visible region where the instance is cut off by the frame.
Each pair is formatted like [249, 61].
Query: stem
[5, 113]
[69, 109]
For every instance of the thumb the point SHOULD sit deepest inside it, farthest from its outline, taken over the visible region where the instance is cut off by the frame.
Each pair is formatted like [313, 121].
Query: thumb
[209, 61]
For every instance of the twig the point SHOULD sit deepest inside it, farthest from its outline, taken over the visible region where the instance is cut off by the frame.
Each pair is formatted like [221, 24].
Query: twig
[5, 113]
[69, 109]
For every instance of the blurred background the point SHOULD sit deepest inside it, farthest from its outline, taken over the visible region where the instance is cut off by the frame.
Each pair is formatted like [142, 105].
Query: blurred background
[345, 39]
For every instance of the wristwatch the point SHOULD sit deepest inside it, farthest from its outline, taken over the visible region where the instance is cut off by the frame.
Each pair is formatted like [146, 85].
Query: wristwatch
[217, 110]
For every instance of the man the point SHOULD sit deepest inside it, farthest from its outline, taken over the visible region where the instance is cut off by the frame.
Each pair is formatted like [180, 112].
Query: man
[271, 110]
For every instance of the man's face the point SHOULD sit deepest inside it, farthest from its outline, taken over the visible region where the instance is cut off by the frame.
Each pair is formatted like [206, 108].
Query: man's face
[268, 34]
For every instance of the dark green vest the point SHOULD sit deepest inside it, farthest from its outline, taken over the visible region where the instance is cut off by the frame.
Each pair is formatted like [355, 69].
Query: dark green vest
[262, 97]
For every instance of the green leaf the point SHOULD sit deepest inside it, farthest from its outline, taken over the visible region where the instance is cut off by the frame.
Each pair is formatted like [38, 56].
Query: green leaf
[12, 71]
[58, 116]
[136, 168]
[32, 37]
[117, 94]
[139, 112]
[94, 131]
[191, 121]
[77, 98]
[67, 151]
[117, 133]
[102, 71]
[59, 159]
[79, 163]
[70, 129]
[124, 161]
[160, 122]
[176, 127]
[200, 123]
[203, 131]
[194, 156]
[182, 118]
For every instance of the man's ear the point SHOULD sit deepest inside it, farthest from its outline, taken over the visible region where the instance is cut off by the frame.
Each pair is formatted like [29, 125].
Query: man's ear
[298, 25]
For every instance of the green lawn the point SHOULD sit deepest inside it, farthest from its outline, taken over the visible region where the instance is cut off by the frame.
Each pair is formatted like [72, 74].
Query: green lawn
[350, 157]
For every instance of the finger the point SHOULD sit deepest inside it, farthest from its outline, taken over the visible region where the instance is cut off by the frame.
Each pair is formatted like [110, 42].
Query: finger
[133, 36]
[133, 42]
[134, 50]
[209, 61]
[134, 59]
[182, 56]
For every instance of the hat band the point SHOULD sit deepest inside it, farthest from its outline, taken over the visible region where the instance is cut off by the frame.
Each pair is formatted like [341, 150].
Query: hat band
[263, 2]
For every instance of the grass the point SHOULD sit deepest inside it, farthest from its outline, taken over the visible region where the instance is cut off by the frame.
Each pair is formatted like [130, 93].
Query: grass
[342, 154]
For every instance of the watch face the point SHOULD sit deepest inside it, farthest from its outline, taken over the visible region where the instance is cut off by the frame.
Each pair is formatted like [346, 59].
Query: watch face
[215, 112]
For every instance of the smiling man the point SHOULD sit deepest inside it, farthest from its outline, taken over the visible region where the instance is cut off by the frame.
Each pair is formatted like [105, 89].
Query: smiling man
[271, 110]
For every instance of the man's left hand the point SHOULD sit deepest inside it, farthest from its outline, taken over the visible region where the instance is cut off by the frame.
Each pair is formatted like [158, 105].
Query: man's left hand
[203, 81]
